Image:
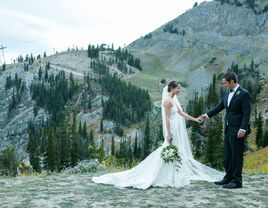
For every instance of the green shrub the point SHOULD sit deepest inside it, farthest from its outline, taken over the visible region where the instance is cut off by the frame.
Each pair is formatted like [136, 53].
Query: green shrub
[8, 162]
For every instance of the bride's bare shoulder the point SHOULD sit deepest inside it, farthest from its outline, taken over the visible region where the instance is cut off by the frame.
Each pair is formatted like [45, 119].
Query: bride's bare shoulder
[168, 102]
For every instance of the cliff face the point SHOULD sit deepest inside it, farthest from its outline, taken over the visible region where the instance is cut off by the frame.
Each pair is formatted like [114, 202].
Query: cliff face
[14, 123]
[259, 6]
[205, 40]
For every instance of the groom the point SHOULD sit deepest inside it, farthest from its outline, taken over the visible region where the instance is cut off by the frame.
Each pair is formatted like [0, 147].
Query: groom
[237, 106]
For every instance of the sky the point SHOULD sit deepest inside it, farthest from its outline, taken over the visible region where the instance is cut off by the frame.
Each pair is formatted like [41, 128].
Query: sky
[35, 26]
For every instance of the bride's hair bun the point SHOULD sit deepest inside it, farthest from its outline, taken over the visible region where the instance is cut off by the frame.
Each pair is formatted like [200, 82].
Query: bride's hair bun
[172, 85]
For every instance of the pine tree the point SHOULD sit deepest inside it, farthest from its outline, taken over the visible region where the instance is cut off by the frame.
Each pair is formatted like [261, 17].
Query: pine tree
[40, 73]
[214, 147]
[101, 125]
[33, 151]
[265, 136]
[129, 154]
[85, 141]
[196, 135]
[135, 151]
[255, 116]
[65, 147]
[259, 134]
[8, 83]
[147, 142]
[80, 133]
[214, 144]
[160, 136]
[47, 65]
[75, 153]
[91, 138]
[57, 148]
[84, 132]
[43, 143]
[8, 161]
[46, 74]
[92, 147]
[72, 85]
[101, 152]
[123, 151]
[89, 104]
[251, 4]
[112, 146]
[50, 152]
[212, 98]
[4, 67]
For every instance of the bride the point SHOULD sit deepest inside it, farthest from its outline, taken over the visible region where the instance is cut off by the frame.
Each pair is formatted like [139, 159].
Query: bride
[153, 171]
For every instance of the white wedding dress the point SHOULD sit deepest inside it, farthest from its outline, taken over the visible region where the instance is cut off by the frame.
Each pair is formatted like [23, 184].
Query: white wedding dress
[153, 171]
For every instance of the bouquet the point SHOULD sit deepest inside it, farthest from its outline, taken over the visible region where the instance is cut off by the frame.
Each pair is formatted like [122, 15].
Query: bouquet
[170, 154]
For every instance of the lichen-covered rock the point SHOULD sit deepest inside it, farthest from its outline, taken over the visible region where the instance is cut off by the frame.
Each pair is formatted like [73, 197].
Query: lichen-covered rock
[78, 190]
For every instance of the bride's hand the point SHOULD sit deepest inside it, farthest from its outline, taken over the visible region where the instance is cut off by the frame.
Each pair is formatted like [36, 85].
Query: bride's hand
[169, 138]
[198, 120]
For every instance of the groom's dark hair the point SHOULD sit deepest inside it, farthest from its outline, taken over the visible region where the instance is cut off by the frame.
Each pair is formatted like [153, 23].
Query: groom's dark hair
[230, 76]
[172, 85]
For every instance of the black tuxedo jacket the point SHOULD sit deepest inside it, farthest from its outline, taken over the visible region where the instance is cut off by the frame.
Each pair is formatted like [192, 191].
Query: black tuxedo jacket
[238, 112]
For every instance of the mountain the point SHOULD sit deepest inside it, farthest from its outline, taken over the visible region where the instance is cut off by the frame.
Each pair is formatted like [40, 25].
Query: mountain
[258, 6]
[204, 40]
[25, 96]
[14, 125]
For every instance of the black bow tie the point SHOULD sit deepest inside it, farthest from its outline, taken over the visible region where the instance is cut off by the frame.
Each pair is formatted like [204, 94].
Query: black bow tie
[231, 90]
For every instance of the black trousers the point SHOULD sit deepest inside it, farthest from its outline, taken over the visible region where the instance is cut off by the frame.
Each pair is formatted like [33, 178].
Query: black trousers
[233, 155]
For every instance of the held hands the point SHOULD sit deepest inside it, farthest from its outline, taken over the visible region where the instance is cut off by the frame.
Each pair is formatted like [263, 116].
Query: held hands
[202, 118]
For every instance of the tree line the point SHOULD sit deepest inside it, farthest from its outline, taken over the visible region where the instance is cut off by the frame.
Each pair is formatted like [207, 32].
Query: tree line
[53, 92]
[249, 3]
[130, 153]
[127, 104]
[122, 57]
[261, 130]
[207, 138]
[19, 88]
[61, 146]
[250, 78]
[30, 58]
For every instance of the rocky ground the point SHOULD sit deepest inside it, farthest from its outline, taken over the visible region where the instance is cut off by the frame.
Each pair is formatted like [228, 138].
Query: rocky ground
[77, 190]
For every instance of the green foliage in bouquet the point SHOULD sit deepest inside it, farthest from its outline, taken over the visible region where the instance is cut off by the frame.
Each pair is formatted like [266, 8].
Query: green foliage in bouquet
[170, 154]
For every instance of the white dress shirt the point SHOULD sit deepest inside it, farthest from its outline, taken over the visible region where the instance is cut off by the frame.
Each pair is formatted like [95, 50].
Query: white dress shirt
[231, 94]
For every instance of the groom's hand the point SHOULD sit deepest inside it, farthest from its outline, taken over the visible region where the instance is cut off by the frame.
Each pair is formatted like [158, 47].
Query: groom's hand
[202, 117]
[240, 134]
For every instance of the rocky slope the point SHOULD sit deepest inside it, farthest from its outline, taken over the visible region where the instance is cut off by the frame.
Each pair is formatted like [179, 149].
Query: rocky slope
[64, 190]
[204, 40]
[258, 6]
[14, 125]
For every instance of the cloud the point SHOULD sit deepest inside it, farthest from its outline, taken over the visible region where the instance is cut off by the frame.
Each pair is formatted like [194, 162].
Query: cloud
[38, 26]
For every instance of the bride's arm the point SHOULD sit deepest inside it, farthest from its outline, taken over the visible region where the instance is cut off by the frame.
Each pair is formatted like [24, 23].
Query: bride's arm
[167, 107]
[187, 116]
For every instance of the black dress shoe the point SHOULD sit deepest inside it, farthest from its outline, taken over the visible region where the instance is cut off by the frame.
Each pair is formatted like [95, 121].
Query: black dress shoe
[232, 185]
[222, 182]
